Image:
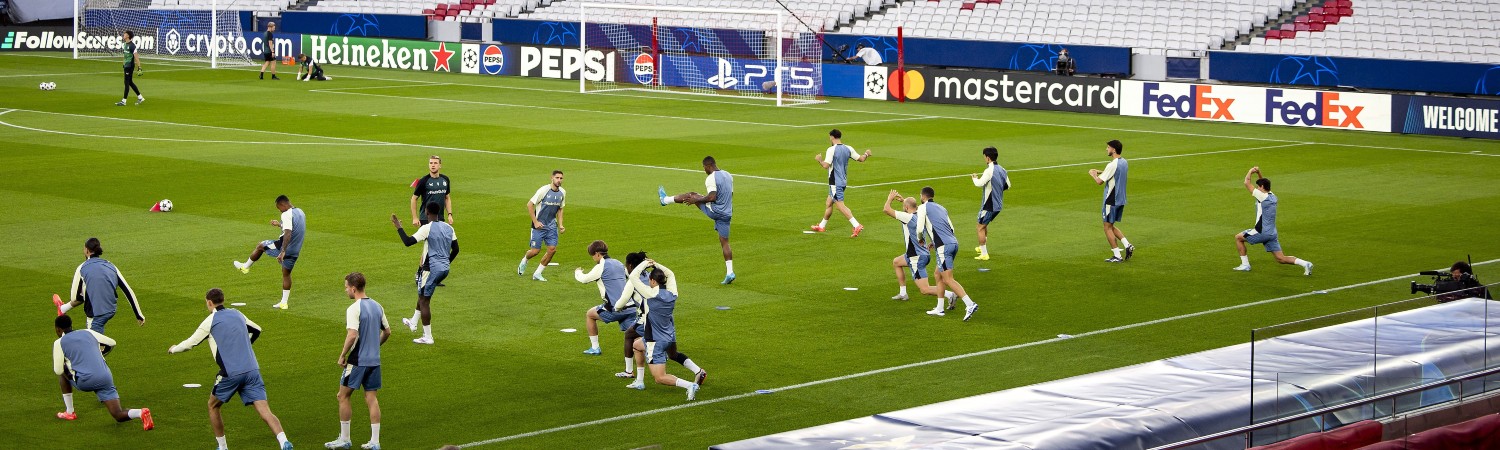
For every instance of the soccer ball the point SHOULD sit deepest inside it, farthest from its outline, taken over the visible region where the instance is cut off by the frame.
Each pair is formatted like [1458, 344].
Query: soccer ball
[166, 205]
[48, 85]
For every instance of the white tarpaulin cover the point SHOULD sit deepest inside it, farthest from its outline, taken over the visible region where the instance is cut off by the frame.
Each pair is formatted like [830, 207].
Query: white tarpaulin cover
[1175, 399]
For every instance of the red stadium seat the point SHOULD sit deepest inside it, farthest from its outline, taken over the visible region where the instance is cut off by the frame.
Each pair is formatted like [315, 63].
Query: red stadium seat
[1288, 34]
[1273, 34]
[988, 1]
[1300, 19]
[1315, 10]
[427, 12]
[1304, 27]
[466, 7]
[1346, 11]
[1316, 26]
[1331, 20]
[1315, 18]
[967, 7]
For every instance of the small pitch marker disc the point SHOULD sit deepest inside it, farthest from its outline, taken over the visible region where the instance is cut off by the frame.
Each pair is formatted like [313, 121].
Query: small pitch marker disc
[764, 391]
[809, 232]
[722, 308]
[984, 269]
[569, 330]
[552, 264]
[236, 304]
[192, 385]
[851, 288]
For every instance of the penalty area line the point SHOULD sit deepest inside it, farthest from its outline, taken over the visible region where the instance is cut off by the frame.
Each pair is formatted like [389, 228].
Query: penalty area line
[939, 360]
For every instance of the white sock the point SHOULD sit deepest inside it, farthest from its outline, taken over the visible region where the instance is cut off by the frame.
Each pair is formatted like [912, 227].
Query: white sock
[666, 200]
[281, 438]
[416, 315]
[249, 262]
[1124, 243]
[524, 259]
[853, 222]
[1245, 259]
[122, 100]
[690, 365]
[629, 365]
[1117, 252]
[968, 302]
[68, 306]
[1301, 262]
[539, 268]
[683, 383]
[68, 402]
[985, 249]
[939, 306]
[427, 331]
[593, 341]
[285, 294]
[903, 290]
[640, 376]
[948, 294]
[343, 431]
[729, 266]
[375, 433]
[139, 96]
[223, 444]
[134, 413]
[823, 223]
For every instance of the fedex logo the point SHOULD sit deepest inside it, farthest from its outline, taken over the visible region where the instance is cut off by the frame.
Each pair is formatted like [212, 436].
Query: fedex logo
[1325, 110]
[1199, 103]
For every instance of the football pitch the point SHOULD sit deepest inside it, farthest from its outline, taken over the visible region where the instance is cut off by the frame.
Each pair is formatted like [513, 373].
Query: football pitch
[1368, 209]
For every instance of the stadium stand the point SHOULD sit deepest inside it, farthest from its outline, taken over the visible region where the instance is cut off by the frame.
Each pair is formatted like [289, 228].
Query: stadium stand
[824, 15]
[1433, 30]
[241, 5]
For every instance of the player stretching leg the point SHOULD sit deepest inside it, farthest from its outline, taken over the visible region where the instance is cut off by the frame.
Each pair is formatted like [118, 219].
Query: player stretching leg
[717, 204]
[78, 361]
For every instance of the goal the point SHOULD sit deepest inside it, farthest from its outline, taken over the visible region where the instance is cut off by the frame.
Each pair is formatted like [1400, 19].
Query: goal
[204, 31]
[741, 53]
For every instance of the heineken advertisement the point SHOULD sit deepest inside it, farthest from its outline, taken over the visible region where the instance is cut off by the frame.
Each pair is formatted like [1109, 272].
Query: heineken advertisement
[382, 53]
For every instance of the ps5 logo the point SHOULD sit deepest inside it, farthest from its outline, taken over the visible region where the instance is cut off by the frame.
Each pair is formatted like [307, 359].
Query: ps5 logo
[725, 78]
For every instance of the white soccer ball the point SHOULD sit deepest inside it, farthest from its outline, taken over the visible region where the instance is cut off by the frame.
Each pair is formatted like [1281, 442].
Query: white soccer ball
[166, 205]
[48, 85]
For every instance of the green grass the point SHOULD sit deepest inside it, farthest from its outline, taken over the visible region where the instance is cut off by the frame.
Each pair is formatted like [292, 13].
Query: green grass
[502, 368]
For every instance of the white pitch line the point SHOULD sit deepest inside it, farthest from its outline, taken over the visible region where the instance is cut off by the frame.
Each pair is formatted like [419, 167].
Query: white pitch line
[937, 361]
[115, 72]
[195, 141]
[1024, 169]
[555, 108]
[431, 147]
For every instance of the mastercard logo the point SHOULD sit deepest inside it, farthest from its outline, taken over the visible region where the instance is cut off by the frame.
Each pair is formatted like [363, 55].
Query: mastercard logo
[911, 82]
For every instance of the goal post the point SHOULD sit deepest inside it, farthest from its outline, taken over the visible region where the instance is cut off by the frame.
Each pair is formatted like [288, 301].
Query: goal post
[202, 30]
[742, 53]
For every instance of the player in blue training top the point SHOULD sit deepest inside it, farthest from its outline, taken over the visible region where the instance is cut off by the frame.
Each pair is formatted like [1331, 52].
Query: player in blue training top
[717, 202]
[78, 359]
[1265, 225]
[439, 249]
[94, 285]
[915, 257]
[634, 298]
[995, 181]
[545, 209]
[933, 220]
[285, 248]
[1113, 177]
[609, 274]
[660, 337]
[230, 335]
[360, 357]
[836, 161]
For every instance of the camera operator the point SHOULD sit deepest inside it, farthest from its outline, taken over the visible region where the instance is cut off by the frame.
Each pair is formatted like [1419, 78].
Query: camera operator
[868, 54]
[1458, 283]
[1065, 64]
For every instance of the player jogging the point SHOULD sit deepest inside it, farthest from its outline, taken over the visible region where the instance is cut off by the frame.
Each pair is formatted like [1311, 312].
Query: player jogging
[717, 203]
[132, 64]
[239, 373]
[439, 248]
[933, 220]
[285, 249]
[78, 361]
[1265, 225]
[94, 285]
[311, 69]
[995, 181]
[1113, 177]
[270, 52]
[836, 161]
[545, 209]
[661, 331]
[360, 358]
[609, 274]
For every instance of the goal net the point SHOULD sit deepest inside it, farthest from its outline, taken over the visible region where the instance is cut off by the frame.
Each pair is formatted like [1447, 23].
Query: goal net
[188, 30]
[743, 53]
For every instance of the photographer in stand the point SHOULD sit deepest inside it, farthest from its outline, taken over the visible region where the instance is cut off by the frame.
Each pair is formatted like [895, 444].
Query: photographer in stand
[1065, 66]
[1458, 283]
